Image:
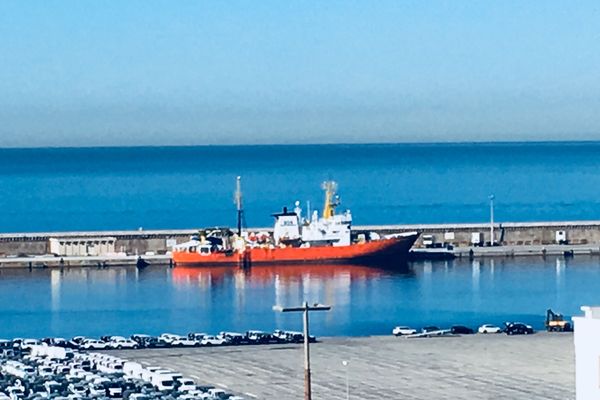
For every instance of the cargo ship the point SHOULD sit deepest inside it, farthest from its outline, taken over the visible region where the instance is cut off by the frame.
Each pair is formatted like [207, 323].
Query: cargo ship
[296, 239]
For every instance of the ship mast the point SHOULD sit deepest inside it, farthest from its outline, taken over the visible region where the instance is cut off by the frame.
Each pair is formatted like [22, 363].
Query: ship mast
[331, 202]
[238, 203]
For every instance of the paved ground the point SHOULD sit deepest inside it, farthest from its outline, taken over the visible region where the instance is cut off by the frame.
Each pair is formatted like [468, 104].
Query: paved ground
[540, 366]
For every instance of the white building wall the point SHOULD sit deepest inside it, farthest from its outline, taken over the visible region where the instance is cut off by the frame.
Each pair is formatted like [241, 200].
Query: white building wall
[55, 247]
[82, 246]
[587, 354]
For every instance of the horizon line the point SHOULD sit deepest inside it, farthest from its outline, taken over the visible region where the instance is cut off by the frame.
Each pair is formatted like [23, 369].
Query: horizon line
[458, 142]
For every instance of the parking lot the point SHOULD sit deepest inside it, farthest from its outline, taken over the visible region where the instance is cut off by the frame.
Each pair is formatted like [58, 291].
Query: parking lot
[32, 369]
[539, 366]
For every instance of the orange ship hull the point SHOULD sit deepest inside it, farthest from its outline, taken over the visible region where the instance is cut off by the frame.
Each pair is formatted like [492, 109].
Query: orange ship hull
[387, 251]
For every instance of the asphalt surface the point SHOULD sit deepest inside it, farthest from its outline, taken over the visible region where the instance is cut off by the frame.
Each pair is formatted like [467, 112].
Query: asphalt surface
[539, 366]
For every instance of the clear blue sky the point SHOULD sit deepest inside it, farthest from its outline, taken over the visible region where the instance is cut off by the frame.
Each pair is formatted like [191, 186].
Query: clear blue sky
[204, 72]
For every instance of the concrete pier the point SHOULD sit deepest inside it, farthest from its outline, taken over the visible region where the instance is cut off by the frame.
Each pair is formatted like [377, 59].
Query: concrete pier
[505, 233]
[506, 251]
[570, 238]
[540, 366]
[81, 261]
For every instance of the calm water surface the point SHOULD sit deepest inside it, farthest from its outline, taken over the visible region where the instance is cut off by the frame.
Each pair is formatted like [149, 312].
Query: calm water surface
[365, 301]
[191, 187]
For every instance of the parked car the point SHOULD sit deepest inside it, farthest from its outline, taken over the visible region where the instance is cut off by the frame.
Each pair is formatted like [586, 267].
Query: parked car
[113, 389]
[185, 385]
[428, 329]
[45, 371]
[489, 328]
[212, 341]
[259, 337]
[461, 330]
[233, 338]
[178, 340]
[5, 346]
[122, 343]
[77, 389]
[93, 344]
[298, 337]
[217, 394]
[403, 330]
[96, 389]
[518, 328]
[162, 382]
[61, 342]
[27, 344]
[280, 336]
[196, 336]
[147, 341]
[78, 340]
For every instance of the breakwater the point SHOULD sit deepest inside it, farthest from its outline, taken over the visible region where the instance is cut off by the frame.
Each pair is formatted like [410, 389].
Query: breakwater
[473, 240]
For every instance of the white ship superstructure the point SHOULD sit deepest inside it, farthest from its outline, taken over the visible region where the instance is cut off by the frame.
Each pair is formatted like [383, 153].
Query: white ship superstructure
[331, 229]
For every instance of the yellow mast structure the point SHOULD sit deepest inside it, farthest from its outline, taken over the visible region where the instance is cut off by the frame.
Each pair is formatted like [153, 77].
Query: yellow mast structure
[331, 202]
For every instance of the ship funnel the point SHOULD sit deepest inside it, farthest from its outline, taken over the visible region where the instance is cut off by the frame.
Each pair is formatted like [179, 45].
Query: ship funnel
[331, 198]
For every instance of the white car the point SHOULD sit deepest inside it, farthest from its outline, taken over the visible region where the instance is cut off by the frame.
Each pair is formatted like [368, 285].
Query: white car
[212, 341]
[122, 343]
[96, 390]
[77, 389]
[194, 395]
[186, 385]
[489, 328]
[217, 393]
[93, 344]
[27, 344]
[178, 340]
[403, 330]
[45, 370]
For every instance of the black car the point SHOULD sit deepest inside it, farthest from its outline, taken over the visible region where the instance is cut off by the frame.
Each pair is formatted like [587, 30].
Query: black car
[234, 338]
[60, 342]
[518, 329]
[204, 388]
[260, 337]
[428, 329]
[152, 342]
[461, 330]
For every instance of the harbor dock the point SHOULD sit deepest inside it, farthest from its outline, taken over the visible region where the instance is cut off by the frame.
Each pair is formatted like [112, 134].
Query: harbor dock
[82, 261]
[460, 367]
[106, 248]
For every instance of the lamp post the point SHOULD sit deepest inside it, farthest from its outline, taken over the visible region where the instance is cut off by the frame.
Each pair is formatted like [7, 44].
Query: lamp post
[305, 309]
[345, 364]
[492, 220]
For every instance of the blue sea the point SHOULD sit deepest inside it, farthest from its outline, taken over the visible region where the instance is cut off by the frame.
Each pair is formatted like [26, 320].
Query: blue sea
[192, 187]
[365, 301]
[188, 187]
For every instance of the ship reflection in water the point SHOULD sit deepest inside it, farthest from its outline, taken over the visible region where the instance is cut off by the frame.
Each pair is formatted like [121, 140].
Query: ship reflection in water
[282, 275]
[290, 284]
[365, 300]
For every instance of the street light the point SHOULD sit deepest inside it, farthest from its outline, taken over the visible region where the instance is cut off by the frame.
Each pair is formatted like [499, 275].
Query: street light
[305, 308]
[492, 197]
[345, 364]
